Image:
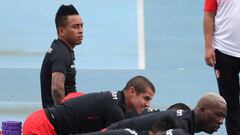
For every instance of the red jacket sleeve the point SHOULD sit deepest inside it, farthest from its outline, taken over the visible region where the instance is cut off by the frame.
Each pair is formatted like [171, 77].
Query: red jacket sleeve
[210, 6]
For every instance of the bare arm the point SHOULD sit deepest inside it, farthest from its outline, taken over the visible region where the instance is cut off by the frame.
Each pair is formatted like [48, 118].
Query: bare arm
[58, 90]
[208, 34]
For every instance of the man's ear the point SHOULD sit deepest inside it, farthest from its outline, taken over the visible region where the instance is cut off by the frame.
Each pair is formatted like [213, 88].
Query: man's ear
[61, 31]
[202, 111]
[131, 91]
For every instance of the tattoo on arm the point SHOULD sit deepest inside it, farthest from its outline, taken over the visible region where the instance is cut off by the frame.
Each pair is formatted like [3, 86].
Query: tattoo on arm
[57, 87]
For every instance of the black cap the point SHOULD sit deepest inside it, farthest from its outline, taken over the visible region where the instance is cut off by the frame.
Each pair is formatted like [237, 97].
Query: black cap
[65, 10]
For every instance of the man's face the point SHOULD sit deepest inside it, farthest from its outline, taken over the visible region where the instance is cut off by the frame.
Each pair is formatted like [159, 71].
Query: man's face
[213, 118]
[73, 32]
[139, 101]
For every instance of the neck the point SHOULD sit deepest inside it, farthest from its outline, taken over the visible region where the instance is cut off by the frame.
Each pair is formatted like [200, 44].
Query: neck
[197, 123]
[127, 101]
[67, 43]
[151, 133]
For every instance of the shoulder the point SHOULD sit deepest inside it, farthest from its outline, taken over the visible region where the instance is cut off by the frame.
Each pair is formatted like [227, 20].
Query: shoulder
[210, 6]
[59, 47]
[110, 96]
[105, 97]
[59, 52]
[113, 102]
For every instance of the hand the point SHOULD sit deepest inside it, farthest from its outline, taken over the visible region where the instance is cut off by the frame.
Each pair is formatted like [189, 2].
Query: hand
[210, 58]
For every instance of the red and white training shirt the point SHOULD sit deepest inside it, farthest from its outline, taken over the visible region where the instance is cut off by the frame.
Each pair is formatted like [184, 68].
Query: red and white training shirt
[226, 36]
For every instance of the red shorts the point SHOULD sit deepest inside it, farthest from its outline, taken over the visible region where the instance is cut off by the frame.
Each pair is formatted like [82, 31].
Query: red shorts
[73, 95]
[38, 124]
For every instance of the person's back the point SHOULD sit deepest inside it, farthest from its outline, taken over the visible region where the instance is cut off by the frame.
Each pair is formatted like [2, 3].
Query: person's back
[163, 124]
[183, 119]
[125, 131]
[90, 112]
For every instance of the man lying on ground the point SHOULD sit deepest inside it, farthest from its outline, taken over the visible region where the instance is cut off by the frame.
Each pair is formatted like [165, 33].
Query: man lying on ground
[91, 112]
[207, 116]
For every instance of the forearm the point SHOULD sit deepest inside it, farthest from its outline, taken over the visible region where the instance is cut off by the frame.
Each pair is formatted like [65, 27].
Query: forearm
[58, 95]
[58, 90]
[208, 29]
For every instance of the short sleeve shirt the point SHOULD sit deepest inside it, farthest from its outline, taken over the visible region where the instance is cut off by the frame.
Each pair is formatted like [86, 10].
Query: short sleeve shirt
[226, 25]
[59, 58]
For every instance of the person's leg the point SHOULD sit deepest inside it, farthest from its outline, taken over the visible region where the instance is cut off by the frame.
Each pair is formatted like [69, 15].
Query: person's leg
[38, 124]
[227, 70]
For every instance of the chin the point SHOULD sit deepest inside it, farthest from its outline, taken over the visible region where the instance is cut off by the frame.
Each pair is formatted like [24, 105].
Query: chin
[138, 112]
[78, 43]
[210, 132]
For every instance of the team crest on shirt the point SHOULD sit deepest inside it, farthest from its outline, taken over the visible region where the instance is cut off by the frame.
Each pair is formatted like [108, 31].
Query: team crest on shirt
[114, 95]
[179, 112]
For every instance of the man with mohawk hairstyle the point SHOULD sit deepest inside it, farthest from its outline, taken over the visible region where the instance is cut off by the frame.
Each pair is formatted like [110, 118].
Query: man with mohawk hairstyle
[58, 69]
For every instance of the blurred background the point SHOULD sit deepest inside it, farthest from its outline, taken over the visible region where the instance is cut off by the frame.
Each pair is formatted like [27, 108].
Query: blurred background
[159, 39]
